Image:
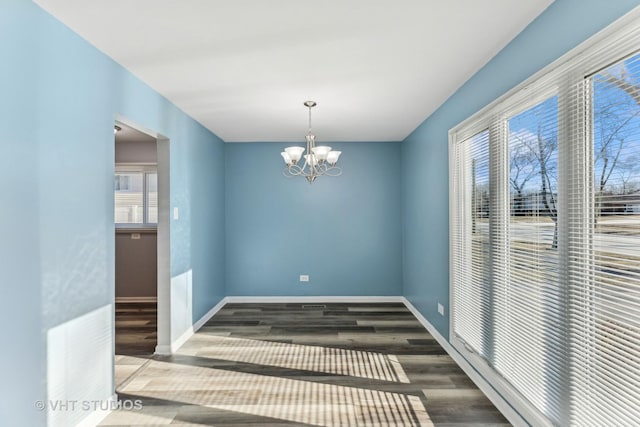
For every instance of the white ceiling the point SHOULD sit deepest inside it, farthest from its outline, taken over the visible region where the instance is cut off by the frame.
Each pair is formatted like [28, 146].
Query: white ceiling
[243, 68]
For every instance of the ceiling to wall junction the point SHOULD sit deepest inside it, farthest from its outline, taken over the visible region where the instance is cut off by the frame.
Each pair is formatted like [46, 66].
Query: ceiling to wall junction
[244, 68]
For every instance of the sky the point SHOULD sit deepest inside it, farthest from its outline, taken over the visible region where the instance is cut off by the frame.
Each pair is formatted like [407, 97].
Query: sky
[615, 142]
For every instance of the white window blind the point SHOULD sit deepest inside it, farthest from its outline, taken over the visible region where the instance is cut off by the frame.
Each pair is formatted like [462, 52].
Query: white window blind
[528, 294]
[152, 197]
[610, 328]
[545, 238]
[472, 239]
[129, 197]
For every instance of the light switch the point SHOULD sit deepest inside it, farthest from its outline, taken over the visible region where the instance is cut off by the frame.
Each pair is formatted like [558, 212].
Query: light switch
[176, 214]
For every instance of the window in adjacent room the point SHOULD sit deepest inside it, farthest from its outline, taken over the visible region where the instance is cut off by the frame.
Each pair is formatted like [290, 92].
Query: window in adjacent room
[136, 196]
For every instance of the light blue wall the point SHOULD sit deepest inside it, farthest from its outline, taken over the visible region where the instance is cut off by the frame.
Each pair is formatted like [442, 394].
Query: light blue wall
[22, 361]
[344, 232]
[206, 189]
[564, 25]
[58, 99]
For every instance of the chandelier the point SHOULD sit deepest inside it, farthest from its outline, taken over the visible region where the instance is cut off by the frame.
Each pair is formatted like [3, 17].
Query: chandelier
[318, 161]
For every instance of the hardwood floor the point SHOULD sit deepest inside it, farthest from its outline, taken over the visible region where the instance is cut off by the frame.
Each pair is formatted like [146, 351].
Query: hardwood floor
[305, 364]
[136, 328]
[136, 337]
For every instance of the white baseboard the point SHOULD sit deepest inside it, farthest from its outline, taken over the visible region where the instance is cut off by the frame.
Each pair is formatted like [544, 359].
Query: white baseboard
[163, 350]
[204, 319]
[182, 339]
[496, 398]
[98, 415]
[166, 350]
[136, 299]
[314, 299]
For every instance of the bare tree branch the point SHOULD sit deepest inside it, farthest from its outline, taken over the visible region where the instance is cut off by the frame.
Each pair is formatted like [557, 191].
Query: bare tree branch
[630, 88]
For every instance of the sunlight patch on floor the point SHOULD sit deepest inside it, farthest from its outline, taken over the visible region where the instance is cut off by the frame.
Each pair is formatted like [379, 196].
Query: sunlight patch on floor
[274, 397]
[363, 364]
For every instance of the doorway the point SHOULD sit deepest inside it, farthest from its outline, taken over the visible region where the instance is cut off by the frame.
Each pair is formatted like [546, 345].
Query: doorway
[141, 215]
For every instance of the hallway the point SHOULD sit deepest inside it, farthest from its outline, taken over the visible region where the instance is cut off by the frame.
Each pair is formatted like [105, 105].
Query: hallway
[304, 364]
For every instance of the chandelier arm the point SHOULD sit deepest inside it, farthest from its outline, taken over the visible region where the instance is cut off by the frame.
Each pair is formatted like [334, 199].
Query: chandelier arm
[333, 171]
[293, 170]
[287, 173]
[317, 170]
[322, 168]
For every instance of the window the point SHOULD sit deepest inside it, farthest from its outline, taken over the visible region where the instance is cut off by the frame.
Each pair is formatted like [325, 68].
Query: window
[136, 195]
[123, 182]
[613, 323]
[545, 239]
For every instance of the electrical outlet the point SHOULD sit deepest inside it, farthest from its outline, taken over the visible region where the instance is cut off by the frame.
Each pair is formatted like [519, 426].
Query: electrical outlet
[304, 277]
[135, 236]
[441, 309]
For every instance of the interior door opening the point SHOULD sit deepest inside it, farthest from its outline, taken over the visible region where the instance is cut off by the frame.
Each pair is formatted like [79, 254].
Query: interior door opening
[141, 246]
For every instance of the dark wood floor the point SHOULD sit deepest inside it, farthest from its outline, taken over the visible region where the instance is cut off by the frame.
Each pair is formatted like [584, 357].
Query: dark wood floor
[136, 328]
[304, 364]
[136, 337]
